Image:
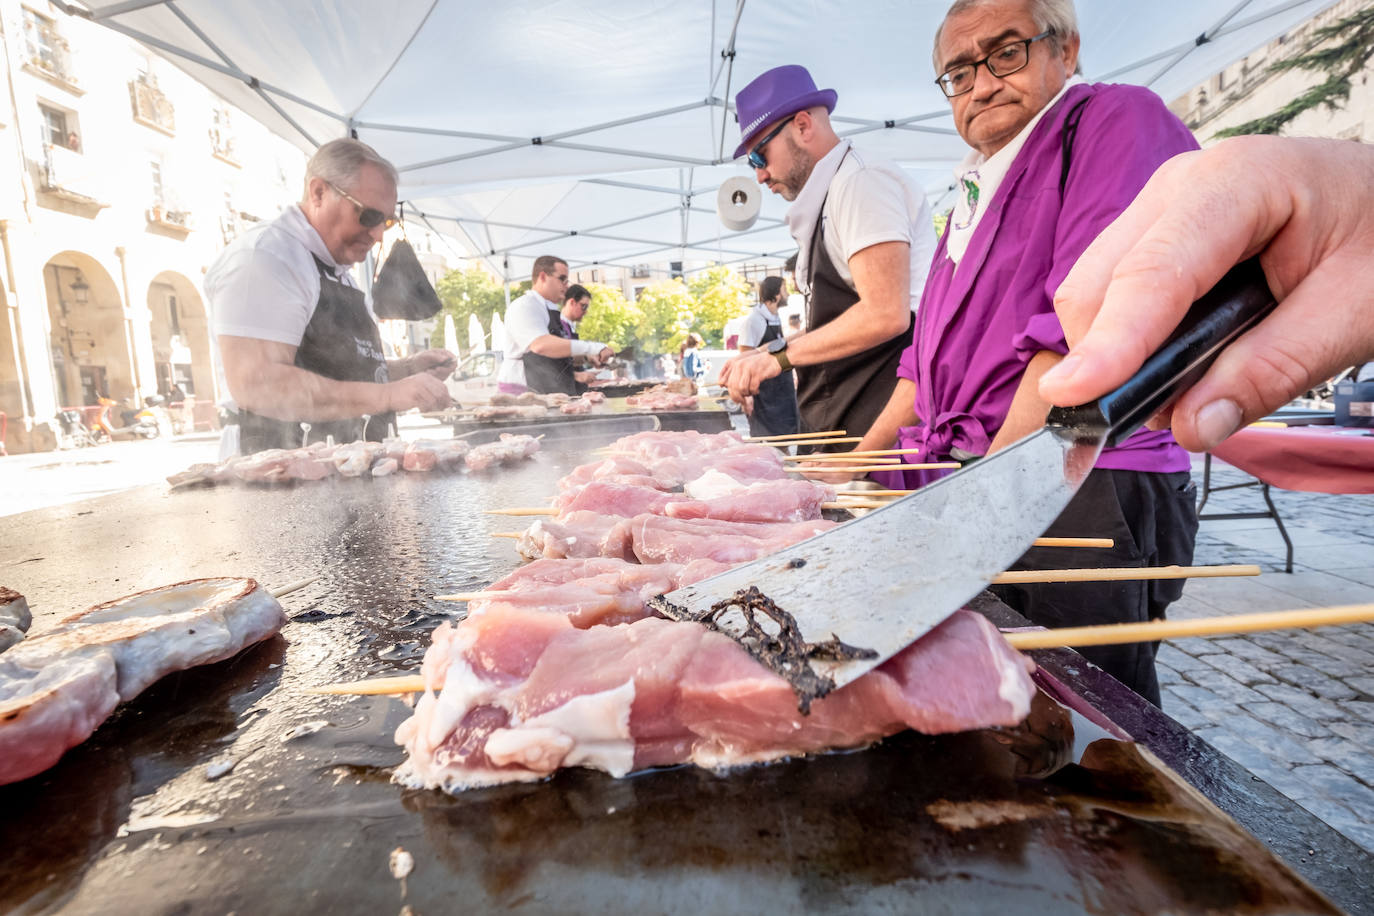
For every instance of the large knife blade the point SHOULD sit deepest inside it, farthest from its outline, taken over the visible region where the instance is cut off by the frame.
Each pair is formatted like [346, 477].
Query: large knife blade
[825, 611]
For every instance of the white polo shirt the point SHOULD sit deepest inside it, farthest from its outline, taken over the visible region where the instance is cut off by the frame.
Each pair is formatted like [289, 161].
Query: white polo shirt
[868, 200]
[526, 319]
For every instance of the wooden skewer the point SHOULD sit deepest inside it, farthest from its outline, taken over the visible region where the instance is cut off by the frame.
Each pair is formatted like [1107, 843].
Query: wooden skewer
[1074, 542]
[785, 436]
[865, 494]
[1269, 424]
[507, 534]
[827, 457]
[1103, 635]
[406, 683]
[838, 440]
[282, 591]
[1125, 574]
[865, 454]
[1115, 633]
[522, 510]
[860, 469]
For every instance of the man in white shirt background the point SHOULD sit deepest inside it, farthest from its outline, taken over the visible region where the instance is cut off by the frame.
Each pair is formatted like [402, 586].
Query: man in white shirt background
[298, 345]
[539, 350]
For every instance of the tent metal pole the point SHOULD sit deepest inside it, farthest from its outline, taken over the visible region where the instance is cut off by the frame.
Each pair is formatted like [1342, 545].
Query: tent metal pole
[441, 132]
[205, 62]
[683, 160]
[392, 66]
[1200, 40]
[621, 122]
[196, 30]
[119, 9]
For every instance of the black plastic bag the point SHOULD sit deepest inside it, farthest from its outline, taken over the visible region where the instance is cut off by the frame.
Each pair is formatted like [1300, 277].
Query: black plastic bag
[402, 290]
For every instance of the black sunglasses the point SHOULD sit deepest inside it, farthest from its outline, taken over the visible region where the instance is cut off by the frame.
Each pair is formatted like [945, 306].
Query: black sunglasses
[756, 158]
[368, 217]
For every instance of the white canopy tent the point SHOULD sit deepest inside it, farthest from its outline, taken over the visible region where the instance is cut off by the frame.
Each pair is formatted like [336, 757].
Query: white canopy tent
[600, 129]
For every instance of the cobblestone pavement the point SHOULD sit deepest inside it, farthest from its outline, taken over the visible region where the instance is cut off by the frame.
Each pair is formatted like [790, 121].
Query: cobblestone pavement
[1294, 707]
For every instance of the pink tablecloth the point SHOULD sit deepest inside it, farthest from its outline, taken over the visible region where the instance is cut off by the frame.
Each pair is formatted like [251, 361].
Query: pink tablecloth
[1316, 459]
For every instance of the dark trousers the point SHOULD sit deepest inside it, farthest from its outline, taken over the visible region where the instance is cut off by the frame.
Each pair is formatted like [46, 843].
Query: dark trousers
[1153, 520]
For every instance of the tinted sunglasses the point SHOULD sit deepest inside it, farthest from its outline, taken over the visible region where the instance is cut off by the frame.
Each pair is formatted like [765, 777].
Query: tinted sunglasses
[756, 158]
[368, 218]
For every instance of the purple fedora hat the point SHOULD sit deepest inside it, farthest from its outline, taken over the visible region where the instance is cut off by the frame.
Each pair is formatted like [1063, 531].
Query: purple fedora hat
[773, 95]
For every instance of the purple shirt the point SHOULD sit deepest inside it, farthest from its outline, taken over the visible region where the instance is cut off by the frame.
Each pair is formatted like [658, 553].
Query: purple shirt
[980, 324]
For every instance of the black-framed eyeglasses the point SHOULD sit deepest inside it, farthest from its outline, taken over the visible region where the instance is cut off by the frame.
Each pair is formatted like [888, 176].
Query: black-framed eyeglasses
[1003, 61]
[756, 157]
[368, 217]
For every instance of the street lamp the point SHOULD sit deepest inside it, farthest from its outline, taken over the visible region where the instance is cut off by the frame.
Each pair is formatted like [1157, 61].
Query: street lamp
[81, 290]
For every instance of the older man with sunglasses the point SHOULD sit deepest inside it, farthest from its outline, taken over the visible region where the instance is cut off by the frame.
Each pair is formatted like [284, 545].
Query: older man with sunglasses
[300, 351]
[865, 238]
[1054, 161]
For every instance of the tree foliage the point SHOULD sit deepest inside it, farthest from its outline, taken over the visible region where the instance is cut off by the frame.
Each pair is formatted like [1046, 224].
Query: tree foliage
[1353, 47]
[468, 292]
[665, 311]
[718, 294]
[611, 318]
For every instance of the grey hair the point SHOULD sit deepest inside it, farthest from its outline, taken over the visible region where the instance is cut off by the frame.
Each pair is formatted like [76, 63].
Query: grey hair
[339, 162]
[1054, 16]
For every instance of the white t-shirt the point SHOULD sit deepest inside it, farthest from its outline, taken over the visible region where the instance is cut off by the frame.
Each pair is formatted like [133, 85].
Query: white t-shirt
[756, 325]
[867, 201]
[526, 319]
[265, 285]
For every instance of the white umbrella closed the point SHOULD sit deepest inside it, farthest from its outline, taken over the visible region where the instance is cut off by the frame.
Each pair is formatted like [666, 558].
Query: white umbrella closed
[477, 339]
[450, 334]
[498, 332]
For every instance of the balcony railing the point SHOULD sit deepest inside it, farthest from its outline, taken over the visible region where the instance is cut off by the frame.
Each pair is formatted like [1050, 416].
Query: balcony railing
[151, 105]
[69, 173]
[222, 145]
[47, 53]
[170, 217]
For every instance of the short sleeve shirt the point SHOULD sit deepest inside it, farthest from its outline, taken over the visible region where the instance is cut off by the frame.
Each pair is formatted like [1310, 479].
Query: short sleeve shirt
[756, 325]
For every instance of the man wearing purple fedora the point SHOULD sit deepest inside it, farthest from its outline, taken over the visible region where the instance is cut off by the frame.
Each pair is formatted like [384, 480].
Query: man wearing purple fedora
[865, 240]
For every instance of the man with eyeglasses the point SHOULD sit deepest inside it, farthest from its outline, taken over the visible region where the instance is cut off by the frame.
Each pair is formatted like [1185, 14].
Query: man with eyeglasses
[540, 347]
[1054, 160]
[300, 353]
[865, 239]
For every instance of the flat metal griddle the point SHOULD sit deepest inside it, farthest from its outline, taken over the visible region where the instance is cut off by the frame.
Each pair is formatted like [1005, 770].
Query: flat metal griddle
[1052, 817]
[709, 418]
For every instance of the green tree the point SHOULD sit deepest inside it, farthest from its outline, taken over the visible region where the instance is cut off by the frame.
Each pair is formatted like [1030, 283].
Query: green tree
[665, 311]
[611, 318]
[468, 292]
[718, 294]
[1352, 48]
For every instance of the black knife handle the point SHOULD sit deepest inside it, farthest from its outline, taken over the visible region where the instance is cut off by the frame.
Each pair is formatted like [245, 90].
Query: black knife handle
[1237, 303]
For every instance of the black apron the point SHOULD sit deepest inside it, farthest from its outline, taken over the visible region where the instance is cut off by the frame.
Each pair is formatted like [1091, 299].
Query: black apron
[548, 374]
[342, 343]
[847, 393]
[775, 406]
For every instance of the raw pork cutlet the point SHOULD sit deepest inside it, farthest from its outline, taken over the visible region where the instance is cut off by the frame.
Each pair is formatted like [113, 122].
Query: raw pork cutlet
[662, 400]
[598, 591]
[622, 470]
[507, 449]
[764, 501]
[576, 406]
[14, 617]
[609, 497]
[577, 534]
[516, 695]
[58, 686]
[656, 539]
[652, 446]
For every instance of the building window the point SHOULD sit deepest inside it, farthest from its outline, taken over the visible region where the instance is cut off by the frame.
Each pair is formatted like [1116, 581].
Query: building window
[172, 315]
[45, 48]
[54, 126]
[155, 173]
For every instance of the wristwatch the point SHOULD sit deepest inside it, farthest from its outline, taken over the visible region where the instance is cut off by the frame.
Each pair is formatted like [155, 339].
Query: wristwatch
[778, 348]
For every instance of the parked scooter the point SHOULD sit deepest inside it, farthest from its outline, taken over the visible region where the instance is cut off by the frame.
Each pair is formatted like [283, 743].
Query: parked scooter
[136, 423]
[72, 431]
